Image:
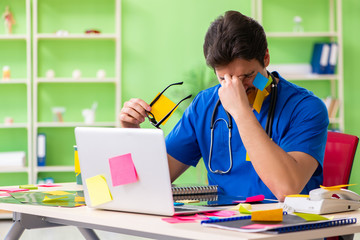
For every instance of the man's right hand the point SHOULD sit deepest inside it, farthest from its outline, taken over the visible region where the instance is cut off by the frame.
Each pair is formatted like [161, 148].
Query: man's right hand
[133, 113]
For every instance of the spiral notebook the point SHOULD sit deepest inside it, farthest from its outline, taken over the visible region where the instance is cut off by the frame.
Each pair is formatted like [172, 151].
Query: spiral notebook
[194, 189]
[290, 223]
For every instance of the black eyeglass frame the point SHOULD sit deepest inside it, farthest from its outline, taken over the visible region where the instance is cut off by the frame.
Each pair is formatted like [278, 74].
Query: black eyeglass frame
[151, 116]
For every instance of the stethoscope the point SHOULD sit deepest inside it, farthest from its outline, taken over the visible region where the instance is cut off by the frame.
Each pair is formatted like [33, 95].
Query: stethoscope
[268, 126]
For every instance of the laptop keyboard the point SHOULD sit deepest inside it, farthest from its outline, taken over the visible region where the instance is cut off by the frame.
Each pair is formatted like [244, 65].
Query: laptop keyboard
[180, 209]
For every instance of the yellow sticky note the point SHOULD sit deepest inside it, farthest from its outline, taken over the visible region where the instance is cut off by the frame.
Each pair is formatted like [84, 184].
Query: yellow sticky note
[79, 199]
[273, 215]
[247, 157]
[47, 199]
[311, 217]
[298, 195]
[77, 164]
[162, 107]
[259, 99]
[244, 208]
[59, 193]
[99, 191]
[337, 187]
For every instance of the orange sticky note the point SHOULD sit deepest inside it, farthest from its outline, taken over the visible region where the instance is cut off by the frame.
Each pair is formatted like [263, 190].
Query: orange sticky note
[273, 215]
[161, 108]
[122, 170]
[337, 187]
[99, 191]
[298, 195]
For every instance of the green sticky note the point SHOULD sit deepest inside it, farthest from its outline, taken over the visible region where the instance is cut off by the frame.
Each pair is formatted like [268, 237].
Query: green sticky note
[31, 187]
[243, 210]
[311, 217]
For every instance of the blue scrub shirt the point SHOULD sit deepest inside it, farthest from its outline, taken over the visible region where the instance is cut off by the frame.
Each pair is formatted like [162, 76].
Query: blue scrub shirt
[300, 124]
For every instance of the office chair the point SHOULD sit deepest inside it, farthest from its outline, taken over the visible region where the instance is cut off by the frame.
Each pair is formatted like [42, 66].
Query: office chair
[339, 155]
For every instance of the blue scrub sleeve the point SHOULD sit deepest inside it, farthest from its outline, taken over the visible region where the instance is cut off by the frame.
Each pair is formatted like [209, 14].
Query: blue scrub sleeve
[181, 142]
[308, 129]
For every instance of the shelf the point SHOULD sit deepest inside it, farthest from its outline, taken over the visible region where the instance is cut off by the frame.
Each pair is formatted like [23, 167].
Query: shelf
[14, 125]
[334, 120]
[40, 36]
[56, 169]
[301, 34]
[75, 124]
[72, 80]
[13, 37]
[308, 77]
[4, 169]
[15, 81]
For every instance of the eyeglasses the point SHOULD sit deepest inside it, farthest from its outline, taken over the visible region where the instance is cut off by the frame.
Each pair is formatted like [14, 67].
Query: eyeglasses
[151, 116]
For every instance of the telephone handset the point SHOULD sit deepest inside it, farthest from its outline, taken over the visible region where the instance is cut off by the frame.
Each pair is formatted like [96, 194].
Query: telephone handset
[324, 201]
[321, 193]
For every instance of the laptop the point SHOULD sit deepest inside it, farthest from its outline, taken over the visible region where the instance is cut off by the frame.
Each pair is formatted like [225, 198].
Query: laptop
[151, 193]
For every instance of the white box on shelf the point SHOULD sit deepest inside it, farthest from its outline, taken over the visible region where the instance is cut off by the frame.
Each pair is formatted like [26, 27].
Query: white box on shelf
[13, 159]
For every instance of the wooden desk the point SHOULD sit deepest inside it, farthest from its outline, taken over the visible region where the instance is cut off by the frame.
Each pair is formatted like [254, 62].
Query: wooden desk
[86, 219]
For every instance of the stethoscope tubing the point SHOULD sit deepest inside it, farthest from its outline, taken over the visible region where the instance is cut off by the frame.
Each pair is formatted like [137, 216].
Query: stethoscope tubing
[268, 125]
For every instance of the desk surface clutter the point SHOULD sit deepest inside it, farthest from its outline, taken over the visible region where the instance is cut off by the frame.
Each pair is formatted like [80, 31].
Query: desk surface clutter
[246, 221]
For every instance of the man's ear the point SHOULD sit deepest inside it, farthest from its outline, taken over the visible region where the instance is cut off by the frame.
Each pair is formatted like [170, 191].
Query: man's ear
[267, 58]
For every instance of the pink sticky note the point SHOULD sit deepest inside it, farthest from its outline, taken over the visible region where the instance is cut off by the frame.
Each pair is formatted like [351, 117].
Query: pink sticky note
[11, 190]
[5, 195]
[122, 170]
[224, 213]
[261, 226]
[257, 198]
[195, 217]
[177, 220]
[49, 185]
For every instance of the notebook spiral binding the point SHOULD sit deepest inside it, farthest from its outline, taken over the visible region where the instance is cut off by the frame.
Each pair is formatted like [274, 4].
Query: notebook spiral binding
[314, 225]
[207, 189]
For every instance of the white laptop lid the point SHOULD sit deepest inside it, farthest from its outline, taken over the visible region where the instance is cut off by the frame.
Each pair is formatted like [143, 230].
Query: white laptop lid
[152, 192]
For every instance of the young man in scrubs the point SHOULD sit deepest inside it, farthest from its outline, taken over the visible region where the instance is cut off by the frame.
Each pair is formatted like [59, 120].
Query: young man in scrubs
[288, 162]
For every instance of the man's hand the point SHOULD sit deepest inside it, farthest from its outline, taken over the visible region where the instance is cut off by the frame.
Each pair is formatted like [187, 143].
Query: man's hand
[133, 113]
[233, 96]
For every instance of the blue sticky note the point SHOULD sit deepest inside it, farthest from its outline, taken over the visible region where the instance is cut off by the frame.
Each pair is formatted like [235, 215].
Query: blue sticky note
[260, 81]
[178, 204]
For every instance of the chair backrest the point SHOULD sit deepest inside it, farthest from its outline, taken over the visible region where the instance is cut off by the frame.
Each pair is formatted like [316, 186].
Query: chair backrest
[339, 156]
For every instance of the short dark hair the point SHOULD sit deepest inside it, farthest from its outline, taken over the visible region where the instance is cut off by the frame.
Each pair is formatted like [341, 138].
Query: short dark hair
[232, 36]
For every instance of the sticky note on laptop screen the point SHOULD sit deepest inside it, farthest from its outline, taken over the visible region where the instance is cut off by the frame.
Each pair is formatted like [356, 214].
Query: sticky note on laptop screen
[98, 189]
[122, 170]
[162, 107]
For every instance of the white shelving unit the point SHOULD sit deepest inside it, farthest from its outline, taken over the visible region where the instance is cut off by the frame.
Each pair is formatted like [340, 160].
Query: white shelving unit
[116, 37]
[334, 34]
[27, 82]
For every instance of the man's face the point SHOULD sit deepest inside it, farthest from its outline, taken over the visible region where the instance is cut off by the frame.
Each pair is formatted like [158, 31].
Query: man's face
[245, 70]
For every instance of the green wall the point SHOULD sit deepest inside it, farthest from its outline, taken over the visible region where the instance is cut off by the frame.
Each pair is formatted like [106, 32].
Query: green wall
[162, 43]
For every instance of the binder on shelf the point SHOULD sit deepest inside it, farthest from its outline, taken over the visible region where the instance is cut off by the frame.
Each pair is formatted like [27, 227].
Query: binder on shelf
[333, 56]
[320, 58]
[12, 159]
[290, 223]
[194, 189]
[41, 149]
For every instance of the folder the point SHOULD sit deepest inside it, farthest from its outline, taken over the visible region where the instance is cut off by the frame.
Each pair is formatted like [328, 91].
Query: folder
[41, 149]
[320, 58]
[333, 56]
